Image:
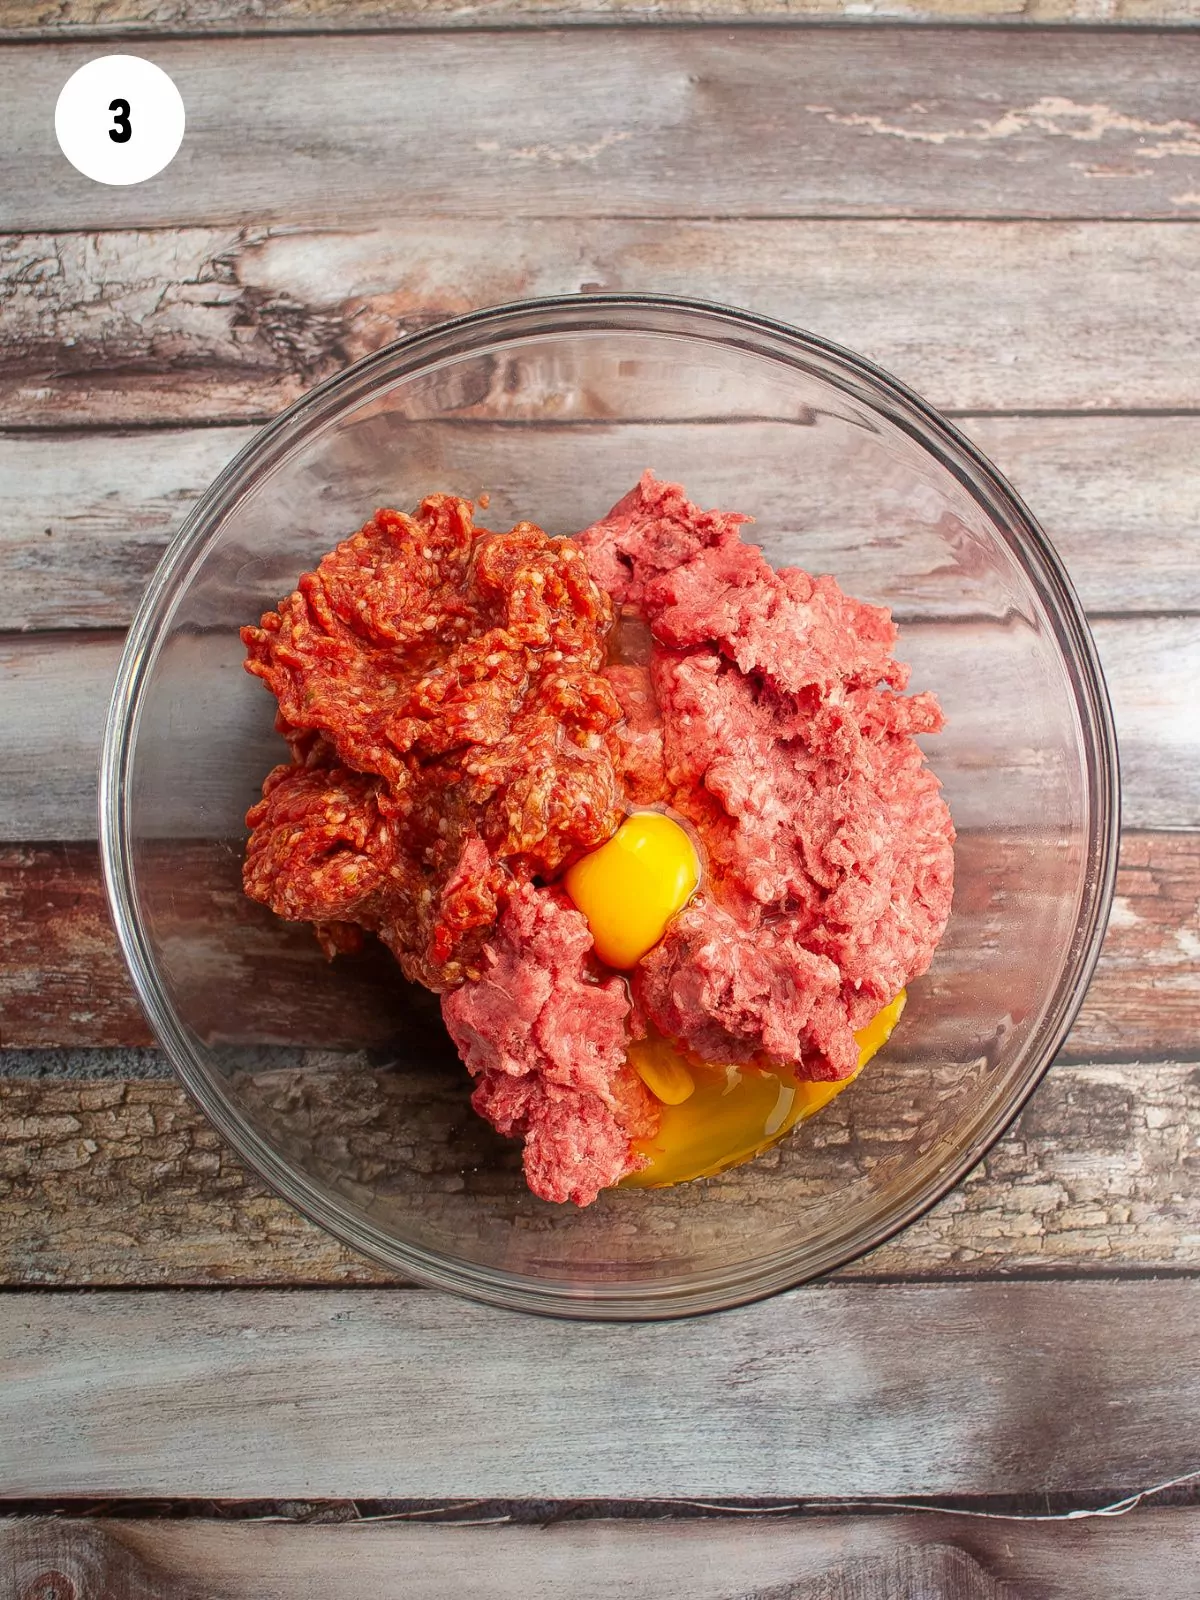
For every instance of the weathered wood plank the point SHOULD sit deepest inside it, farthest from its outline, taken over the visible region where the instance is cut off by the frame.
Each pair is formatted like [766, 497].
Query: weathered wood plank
[679, 122]
[1157, 717]
[907, 1390]
[128, 1180]
[84, 517]
[57, 688]
[109, 1182]
[222, 324]
[63, 983]
[1148, 977]
[22, 18]
[1153, 1556]
[1066, 469]
[56, 691]
[60, 1560]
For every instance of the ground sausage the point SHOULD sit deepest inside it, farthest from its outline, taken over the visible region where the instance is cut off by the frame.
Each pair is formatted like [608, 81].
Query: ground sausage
[451, 731]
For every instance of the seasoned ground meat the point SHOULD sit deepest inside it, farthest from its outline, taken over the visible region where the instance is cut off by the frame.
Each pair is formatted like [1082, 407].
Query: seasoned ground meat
[787, 744]
[546, 1041]
[451, 732]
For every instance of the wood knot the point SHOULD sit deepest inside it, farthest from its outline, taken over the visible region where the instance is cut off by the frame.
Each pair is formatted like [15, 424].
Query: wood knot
[50, 1585]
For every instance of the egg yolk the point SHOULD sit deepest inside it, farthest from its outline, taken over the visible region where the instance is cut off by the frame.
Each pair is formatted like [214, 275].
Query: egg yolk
[631, 887]
[714, 1117]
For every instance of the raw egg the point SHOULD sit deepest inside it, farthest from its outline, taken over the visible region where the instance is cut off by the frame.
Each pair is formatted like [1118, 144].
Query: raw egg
[714, 1117]
[631, 887]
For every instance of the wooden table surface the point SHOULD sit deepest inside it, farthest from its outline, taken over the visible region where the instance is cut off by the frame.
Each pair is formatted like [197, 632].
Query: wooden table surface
[200, 1394]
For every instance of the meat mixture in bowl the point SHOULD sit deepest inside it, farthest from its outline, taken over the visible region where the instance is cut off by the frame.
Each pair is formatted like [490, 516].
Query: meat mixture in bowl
[649, 814]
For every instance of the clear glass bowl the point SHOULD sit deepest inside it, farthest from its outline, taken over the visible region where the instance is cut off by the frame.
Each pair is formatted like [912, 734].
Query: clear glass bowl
[336, 1082]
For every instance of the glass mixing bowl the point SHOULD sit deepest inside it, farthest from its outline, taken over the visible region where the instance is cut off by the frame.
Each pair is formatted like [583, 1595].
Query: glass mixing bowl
[336, 1082]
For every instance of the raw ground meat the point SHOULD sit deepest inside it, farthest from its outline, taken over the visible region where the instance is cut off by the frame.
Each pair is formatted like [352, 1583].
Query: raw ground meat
[464, 720]
[787, 744]
[450, 729]
[546, 1042]
[640, 738]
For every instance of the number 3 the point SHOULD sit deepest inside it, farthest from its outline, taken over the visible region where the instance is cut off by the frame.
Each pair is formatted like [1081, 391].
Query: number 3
[122, 131]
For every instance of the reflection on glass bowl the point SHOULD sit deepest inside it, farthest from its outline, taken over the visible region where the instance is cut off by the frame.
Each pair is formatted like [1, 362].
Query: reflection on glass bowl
[337, 1082]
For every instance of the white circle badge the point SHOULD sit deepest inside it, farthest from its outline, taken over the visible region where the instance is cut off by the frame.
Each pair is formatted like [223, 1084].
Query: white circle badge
[119, 119]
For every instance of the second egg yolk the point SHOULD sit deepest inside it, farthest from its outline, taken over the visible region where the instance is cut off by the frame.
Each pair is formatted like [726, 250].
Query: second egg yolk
[711, 1116]
[631, 887]
[714, 1117]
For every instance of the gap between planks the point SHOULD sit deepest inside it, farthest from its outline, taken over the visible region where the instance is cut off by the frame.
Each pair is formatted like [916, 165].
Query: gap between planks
[713, 121]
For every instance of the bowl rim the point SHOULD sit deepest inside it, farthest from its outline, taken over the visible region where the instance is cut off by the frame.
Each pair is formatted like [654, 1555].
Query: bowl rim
[714, 1290]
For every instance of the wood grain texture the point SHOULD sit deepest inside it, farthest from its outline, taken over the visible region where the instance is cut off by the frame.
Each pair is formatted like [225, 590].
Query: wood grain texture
[1153, 1556]
[63, 983]
[228, 324]
[55, 1560]
[680, 122]
[57, 688]
[84, 517]
[23, 18]
[907, 1389]
[116, 1182]
[128, 1181]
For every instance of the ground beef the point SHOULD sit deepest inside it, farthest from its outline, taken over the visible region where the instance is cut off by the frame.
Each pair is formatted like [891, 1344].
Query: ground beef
[464, 720]
[546, 1037]
[640, 736]
[652, 531]
[450, 729]
[721, 977]
[787, 744]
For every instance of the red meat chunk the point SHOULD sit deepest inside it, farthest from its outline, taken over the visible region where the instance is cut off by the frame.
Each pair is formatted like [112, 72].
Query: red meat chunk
[451, 731]
[546, 1039]
[785, 741]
